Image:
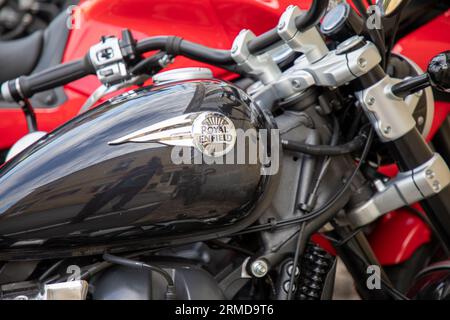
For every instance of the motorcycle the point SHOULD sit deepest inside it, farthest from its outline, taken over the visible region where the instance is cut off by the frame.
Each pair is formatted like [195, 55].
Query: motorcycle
[22, 18]
[200, 188]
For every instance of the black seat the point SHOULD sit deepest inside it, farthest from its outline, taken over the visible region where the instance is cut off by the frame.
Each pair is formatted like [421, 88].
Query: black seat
[19, 57]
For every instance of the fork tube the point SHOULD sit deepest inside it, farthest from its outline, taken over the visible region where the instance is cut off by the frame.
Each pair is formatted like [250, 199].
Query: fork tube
[411, 151]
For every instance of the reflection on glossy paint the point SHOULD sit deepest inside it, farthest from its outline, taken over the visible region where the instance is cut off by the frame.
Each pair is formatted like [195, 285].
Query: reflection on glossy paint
[73, 187]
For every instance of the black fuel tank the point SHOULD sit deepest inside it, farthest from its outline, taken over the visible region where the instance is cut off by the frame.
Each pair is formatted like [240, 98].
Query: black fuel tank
[88, 183]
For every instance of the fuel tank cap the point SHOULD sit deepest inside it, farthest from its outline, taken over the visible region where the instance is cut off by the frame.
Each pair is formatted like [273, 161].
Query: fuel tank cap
[182, 74]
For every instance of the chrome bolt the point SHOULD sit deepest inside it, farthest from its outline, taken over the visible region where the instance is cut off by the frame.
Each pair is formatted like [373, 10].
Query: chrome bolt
[234, 49]
[429, 174]
[286, 286]
[297, 84]
[436, 186]
[281, 25]
[387, 129]
[289, 270]
[259, 268]
[362, 63]
[370, 101]
[420, 120]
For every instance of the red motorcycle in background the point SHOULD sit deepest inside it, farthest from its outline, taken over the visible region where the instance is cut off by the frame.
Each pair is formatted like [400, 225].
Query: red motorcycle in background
[401, 240]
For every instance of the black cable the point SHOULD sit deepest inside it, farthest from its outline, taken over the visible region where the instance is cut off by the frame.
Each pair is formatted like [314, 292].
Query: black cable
[49, 271]
[295, 261]
[138, 265]
[325, 208]
[30, 115]
[148, 65]
[390, 289]
[339, 243]
[326, 162]
[325, 150]
[170, 293]
[42, 280]
[336, 132]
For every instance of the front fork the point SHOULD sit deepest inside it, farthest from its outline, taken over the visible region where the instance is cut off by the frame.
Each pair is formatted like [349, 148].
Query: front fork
[412, 151]
[424, 176]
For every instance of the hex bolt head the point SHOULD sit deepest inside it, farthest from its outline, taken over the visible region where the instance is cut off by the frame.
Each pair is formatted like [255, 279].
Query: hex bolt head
[297, 84]
[429, 174]
[362, 63]
[370, 101]
[259, 268]
[420, 120]
[289, 270]
[387, 129]
[286, 286]
[436, 186]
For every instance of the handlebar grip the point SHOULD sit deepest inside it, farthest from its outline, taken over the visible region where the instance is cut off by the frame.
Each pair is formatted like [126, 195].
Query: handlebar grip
[26, 86]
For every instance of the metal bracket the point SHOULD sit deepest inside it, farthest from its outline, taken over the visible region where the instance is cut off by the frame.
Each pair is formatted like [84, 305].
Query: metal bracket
[262, 66]
[309, 42]
[337, 69]
[107, 59]
[332, 71]
[389, 115]
[407, 188]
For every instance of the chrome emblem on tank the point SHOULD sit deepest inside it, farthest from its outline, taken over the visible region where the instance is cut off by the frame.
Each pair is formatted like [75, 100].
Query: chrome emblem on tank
[212, 133]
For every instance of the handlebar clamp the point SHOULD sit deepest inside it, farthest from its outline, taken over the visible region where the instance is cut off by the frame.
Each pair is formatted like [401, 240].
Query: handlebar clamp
[262, 66]
[309, 42]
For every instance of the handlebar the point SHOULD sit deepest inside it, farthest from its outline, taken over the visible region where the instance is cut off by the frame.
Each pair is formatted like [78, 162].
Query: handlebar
[177, 46]
[26, 86]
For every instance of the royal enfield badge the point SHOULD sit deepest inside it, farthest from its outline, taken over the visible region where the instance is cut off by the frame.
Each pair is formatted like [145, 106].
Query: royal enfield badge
[213, 134]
